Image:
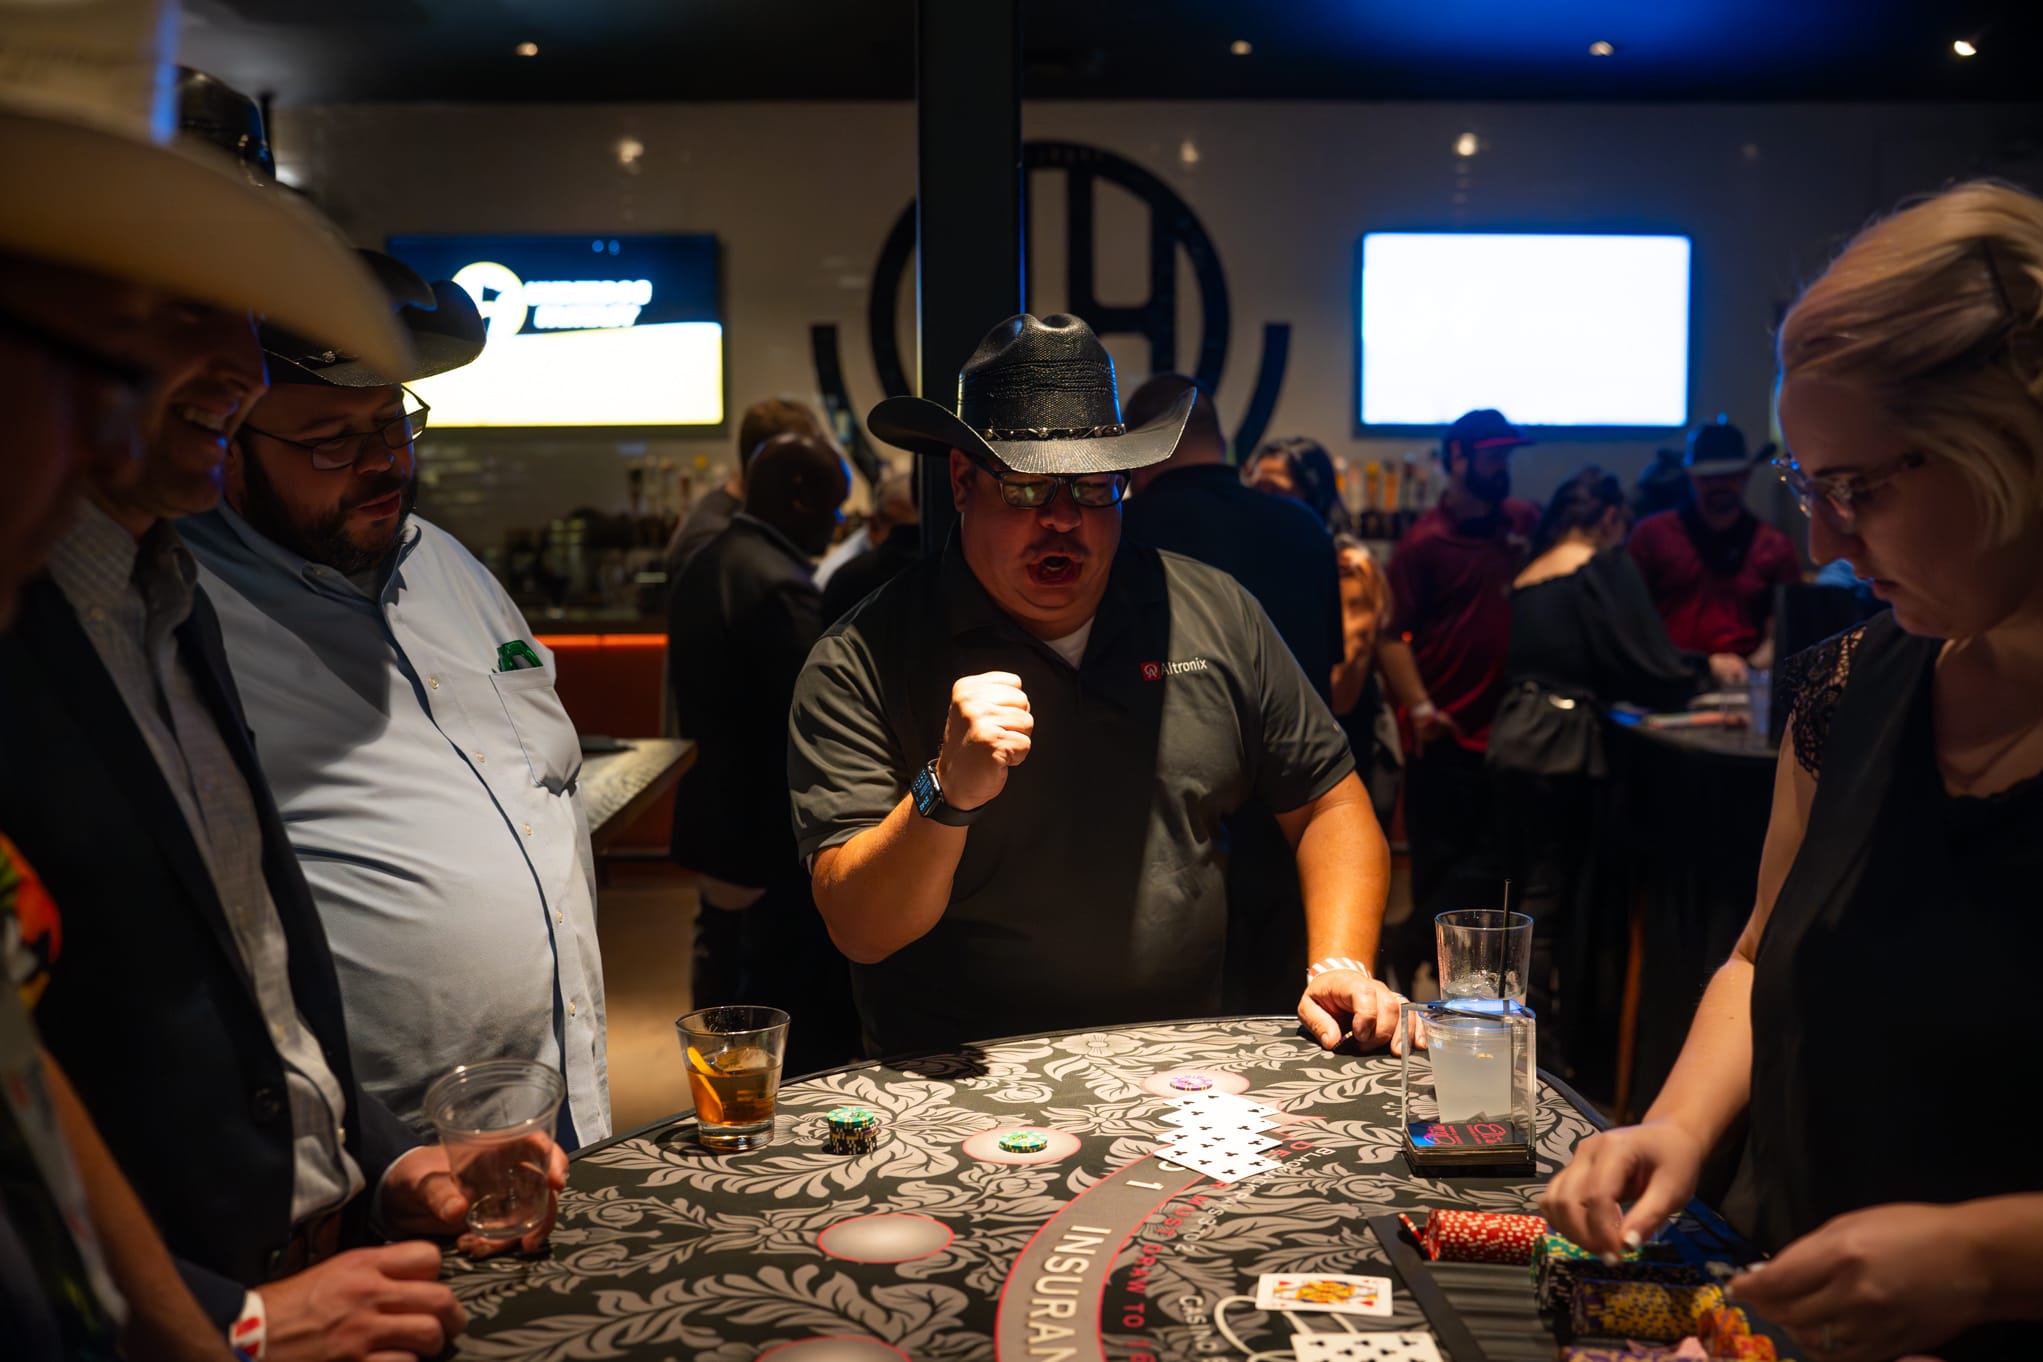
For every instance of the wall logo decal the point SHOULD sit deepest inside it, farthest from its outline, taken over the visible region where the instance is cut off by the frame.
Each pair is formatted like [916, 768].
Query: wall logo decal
[1171, 225]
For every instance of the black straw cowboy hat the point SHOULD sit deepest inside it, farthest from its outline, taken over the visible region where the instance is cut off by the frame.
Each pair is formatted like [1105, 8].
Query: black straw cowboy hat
[1038, 395]
[446, 329]
[444, 325]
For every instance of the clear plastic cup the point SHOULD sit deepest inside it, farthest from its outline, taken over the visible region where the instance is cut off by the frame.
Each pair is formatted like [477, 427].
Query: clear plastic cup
[1484, 954]
[496, 1120]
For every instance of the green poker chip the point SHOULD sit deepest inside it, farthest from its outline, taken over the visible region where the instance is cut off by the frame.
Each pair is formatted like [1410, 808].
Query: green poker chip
[1023, 1142]
[850, 1120]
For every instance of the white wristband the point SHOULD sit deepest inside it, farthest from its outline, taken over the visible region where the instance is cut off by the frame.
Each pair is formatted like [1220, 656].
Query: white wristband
[1332, 963]
[250, 1334]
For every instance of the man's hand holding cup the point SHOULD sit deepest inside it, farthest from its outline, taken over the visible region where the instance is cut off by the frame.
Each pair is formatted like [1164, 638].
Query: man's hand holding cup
[987, 731]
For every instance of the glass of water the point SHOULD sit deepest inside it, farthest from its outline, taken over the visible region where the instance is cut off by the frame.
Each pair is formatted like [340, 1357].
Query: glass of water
[1485, 954]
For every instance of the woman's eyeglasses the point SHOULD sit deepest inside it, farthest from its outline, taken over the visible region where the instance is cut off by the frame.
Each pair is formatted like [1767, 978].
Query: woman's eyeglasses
[1033, 491]
[1838, 496]
[336, 452]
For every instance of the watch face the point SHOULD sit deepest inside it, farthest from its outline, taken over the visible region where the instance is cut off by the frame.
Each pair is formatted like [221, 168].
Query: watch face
[925, 792]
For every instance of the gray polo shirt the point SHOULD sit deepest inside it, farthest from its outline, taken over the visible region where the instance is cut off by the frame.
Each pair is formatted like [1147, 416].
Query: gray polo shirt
[1091, 891]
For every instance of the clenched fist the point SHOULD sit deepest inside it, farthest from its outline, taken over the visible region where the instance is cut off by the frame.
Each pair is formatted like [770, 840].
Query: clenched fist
[986, 732]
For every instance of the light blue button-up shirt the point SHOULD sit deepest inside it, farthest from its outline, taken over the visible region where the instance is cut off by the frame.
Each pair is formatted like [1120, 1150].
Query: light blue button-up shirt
[431, 800]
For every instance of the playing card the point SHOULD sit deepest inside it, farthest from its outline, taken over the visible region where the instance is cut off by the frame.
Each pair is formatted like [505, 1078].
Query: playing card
[1217, 1142]
[1217, 1103]
[1373, 1347]
[1323, 1291]
[1224, 1165]
[1199, 1120]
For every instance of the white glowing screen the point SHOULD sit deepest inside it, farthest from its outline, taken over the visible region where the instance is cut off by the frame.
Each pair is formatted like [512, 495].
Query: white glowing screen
[610, 331]
[1550, 329]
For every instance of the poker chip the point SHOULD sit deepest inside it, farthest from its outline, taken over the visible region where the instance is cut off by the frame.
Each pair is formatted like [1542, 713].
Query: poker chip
[1023, 1142]
[1191, 1082]
[1480, 1237]
[1556, 1277]
[1642, 1310]
[853, 1130]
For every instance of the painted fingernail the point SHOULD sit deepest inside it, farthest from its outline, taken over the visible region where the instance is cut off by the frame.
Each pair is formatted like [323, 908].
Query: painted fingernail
[1609, 1259]
[1631, 1239]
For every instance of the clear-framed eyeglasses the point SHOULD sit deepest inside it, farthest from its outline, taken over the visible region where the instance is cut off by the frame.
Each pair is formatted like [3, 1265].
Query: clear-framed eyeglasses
[1838, 497]
[336, 452]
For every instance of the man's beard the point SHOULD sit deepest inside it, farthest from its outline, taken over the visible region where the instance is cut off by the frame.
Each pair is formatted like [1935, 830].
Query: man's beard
[1492, 489]
[1723, 505]
[325, 539]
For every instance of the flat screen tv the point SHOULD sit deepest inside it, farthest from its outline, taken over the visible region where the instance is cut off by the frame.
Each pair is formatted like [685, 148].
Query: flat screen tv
[623, 332]
[1554, 329]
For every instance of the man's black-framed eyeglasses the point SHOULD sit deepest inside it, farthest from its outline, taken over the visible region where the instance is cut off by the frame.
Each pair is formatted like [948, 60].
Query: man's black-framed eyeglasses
[131, 377]
[1034, 491]
[336, 452]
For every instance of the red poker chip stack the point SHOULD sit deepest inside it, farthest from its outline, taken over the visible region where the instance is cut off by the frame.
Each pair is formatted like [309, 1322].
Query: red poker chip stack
[1479, 1236]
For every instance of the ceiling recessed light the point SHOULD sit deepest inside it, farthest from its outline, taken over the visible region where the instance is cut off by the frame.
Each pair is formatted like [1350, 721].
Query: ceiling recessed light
[527, 49]
[1467, 145]
[1964, 48]
[1241, 47]
[1601, 49]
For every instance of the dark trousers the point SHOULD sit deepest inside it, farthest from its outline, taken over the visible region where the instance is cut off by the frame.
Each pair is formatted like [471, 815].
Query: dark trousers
[788, 961]
[778, 953]
[1548, 823]
[1456, 863]
[719, 936]
[1265, 969]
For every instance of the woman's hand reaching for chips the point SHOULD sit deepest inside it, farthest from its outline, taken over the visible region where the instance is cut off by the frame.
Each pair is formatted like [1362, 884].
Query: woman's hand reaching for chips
[1653, 1167]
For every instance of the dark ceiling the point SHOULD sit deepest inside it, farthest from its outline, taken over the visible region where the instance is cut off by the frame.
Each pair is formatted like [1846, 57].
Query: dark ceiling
[602, 50]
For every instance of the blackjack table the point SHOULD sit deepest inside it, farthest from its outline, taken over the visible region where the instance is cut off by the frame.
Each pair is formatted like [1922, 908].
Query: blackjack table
[1020, 1200]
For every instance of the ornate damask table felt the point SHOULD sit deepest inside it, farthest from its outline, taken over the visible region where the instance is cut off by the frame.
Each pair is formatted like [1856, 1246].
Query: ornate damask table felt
[939, 1244]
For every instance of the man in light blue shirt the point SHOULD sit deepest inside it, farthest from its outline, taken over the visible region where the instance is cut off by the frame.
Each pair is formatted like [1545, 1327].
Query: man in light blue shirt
[407, 722]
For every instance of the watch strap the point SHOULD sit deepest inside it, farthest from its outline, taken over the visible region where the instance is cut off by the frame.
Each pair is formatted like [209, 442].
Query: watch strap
[939, 809]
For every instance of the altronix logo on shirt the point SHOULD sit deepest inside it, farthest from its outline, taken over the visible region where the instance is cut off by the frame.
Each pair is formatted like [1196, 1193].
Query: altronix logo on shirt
[1156, 671]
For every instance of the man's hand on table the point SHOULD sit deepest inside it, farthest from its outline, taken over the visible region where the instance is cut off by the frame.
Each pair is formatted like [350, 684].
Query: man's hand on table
[422, 1196]
[383, 1304]
[1874, 1284]
[1349, 1002]
[987, 730]
[1653, 1166]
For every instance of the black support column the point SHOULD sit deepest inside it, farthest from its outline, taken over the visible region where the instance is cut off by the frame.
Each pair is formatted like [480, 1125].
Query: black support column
[969, 202]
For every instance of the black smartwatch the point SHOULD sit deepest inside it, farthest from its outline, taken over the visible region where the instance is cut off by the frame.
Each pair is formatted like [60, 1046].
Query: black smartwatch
[928, 794]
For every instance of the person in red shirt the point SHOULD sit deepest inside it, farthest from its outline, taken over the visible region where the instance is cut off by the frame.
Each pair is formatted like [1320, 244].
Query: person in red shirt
[1443, 657]
[1711, 565]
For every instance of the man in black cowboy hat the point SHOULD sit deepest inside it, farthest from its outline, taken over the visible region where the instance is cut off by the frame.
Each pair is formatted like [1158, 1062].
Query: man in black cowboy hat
[1711, 564]
[1010, 767]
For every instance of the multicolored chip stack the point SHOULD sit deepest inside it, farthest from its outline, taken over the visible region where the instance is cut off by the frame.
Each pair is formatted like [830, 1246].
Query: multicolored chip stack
[1726, 1332]
[1649, 1310]
[1478, 1236]
[852, 1130]
[1558, 1263]
[1023, 1142]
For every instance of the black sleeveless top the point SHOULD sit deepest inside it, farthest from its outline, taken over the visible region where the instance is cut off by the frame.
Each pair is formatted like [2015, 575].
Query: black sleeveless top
[1896, 1012]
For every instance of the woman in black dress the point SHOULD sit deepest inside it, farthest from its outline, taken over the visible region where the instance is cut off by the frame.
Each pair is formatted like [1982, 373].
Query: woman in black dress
[1584, 635]
[1877, 1021]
